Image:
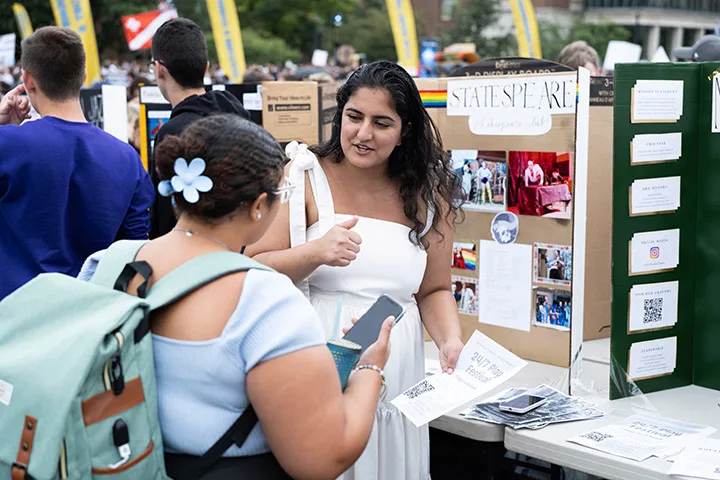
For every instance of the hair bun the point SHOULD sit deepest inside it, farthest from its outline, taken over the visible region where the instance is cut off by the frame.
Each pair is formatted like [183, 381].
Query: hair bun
[169, 150]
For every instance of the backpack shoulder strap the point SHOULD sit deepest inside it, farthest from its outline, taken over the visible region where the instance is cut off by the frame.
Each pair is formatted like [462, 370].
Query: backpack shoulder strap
[197, 273]
[236, 434]
[114, 260]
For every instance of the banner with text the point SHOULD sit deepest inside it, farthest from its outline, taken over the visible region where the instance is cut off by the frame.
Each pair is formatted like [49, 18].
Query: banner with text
[77, 16]
[228, 39]
[402, 21]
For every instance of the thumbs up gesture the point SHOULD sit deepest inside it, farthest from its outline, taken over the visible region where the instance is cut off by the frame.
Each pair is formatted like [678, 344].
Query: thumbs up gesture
[340, 246]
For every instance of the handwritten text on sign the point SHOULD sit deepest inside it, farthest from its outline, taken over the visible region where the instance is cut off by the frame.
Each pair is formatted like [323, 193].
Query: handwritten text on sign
[555, 94]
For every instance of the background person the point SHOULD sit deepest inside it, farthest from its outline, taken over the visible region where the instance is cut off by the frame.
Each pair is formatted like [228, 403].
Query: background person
[67, 188]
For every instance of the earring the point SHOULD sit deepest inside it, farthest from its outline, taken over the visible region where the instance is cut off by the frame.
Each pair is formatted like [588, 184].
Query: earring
[259, 216]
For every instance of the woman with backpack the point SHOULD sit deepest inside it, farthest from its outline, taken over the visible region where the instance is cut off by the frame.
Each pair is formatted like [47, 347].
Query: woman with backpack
[248, 338]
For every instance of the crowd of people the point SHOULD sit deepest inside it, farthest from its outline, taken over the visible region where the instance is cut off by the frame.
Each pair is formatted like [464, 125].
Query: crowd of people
[370, 212]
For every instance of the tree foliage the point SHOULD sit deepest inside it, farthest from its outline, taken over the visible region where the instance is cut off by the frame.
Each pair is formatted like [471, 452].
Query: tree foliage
[369, 33]
[471, 20]
[554, 37]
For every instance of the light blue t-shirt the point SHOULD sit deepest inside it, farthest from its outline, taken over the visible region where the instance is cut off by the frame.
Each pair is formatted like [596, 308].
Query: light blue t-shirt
[201, 385]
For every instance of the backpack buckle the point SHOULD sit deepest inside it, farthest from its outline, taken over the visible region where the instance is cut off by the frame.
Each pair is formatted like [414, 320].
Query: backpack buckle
[19, 466]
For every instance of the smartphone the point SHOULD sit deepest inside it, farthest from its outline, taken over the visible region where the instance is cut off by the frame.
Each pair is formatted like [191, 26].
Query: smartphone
[522, 404]
[365, 332]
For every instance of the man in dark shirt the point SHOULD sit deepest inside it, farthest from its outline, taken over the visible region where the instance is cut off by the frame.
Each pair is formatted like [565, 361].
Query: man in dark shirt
[67, 189]
[180, 61]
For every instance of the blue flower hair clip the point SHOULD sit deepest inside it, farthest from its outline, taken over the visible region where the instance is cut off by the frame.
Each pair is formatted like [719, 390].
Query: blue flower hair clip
[188, 179]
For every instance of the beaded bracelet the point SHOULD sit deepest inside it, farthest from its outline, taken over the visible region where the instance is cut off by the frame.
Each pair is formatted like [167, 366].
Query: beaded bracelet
[374, 368]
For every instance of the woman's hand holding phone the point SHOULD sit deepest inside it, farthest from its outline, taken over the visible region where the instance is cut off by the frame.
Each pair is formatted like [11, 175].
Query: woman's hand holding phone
[379, 352]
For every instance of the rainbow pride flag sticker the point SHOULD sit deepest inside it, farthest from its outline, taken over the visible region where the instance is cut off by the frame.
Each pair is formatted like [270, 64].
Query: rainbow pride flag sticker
[434, 98]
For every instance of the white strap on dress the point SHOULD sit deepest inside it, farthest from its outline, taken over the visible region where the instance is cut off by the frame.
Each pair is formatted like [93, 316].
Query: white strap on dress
[303, 160]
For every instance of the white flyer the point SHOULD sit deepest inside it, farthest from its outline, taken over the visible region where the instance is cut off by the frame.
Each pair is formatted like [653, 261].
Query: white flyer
[655, 195]
[482, 366]
[653, 358]
[641, 436]
[652, 252]
[653, 305]
[505, 285]
[701, 460]
[657, 101]
[656, 148]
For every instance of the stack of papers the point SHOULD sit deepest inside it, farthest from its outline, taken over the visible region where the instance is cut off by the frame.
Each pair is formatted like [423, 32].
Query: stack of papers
[701, 460]
[643, 436]
[558, 408]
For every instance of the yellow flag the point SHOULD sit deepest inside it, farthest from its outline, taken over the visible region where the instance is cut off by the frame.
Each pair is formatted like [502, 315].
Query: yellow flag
[23, 21]
[76, 15]
[228, 39]
[528, 34]
[402, 21]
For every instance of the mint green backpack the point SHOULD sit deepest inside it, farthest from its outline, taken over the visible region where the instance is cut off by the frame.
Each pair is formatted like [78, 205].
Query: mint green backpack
[77, 382]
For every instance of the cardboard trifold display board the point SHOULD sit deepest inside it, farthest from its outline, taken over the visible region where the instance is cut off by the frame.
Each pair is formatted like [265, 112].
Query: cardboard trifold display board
[504, 134]
[301, 111]
[666, 222]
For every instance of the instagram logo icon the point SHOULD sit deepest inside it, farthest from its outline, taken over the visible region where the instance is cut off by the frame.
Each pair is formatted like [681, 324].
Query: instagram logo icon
[655, 253]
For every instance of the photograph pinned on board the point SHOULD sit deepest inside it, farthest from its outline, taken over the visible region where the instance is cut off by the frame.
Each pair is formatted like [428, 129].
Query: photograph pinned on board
[552, 264]
[156, 119]
[482, 176]
[505, 227]
[464, 255]
[540, 184]
[465, 290]
[553, 309]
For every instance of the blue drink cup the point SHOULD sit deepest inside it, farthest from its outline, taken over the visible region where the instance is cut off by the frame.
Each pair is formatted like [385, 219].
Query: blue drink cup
[346, 355]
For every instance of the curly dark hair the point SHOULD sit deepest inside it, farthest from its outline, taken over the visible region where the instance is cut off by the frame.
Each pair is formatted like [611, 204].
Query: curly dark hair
[242, 159]
[420, 163]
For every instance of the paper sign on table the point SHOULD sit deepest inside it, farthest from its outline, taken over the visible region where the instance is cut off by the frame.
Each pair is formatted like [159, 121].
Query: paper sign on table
[655, 148]
[641, 436]
[652, 252]
[657, 101]
[653, 358]
[505, 285]
[653, 306]
[482, 366]
[701, 460]
[654, 195]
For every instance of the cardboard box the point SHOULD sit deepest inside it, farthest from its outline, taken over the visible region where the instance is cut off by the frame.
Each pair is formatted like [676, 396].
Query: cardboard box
[301, 111]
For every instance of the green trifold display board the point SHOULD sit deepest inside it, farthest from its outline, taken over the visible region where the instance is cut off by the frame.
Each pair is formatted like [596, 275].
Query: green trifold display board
[666, 297]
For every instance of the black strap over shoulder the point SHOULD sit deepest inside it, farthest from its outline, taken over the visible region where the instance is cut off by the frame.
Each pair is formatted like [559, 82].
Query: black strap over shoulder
[128, 273]
[237, 434]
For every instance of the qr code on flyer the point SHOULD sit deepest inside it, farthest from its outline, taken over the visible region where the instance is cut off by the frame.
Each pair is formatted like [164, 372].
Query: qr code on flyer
[597, 436]
[419, 389]
[653, 310]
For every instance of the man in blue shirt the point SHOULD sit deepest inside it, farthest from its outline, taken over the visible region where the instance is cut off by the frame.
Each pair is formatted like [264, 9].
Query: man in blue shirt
[67, 189]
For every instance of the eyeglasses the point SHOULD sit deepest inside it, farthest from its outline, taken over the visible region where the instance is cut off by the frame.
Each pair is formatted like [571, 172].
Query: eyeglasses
[151, 65]
[285, 191]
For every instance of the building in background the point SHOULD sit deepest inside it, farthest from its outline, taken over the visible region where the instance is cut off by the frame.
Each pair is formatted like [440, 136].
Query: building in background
[654, 23]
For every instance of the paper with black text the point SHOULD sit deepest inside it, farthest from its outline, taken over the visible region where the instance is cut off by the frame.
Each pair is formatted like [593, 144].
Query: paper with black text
[701, 460]
[482, 366]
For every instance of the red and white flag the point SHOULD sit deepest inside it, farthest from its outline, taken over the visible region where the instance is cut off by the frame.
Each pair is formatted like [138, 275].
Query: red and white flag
[140, 28]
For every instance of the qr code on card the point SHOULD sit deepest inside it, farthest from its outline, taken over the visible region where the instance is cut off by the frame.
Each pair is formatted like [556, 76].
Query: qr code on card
[597, 436]
[419, 389]
[653, 310]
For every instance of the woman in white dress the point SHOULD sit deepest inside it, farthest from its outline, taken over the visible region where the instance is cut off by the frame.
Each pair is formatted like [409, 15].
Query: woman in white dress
[373, 214]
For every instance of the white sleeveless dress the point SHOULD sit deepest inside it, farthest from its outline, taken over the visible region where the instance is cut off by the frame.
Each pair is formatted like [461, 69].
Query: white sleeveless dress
[388, 263]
